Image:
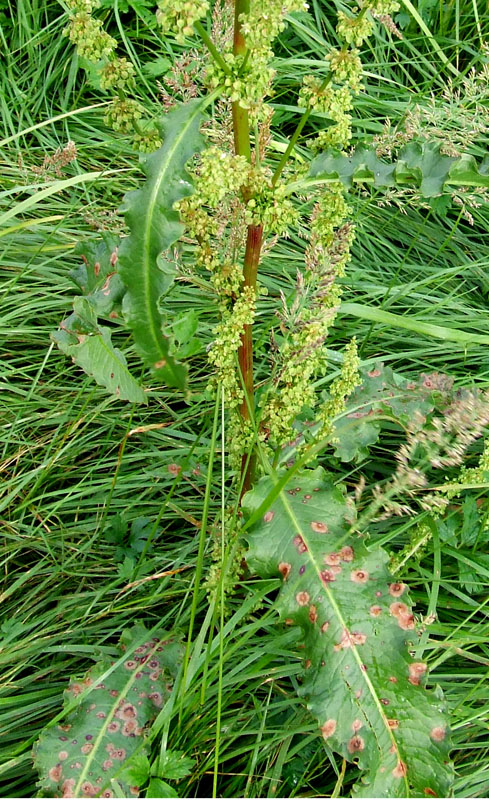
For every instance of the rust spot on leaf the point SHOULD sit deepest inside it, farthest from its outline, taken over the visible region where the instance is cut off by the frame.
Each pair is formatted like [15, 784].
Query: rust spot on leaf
[328, 728]
[302, 598]
[416, 671]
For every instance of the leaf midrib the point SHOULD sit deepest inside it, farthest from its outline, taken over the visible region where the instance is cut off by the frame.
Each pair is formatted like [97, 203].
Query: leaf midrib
[342, 621]
[152, 312]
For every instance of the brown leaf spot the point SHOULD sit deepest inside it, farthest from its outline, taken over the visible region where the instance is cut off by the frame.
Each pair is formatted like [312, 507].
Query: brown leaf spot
[328, 728]
[156, 698]
[86, 748]
[332, 559]
[300, 544]
[393, 679]
[429, 792]
[269, 516]
[62, 755]
[88, 789]
[356, 725]
[356, 744]
[416, 671]
[324, 627]
[130, 664]
[393, 723]
[438, 733]
[113, 726]
[327, 576]
[108, 763]
[55, 773]
[397, 589]
[284, 569]
[375, 611]
[319, 527]
[130, 727]
[359, 576]
[307, 663]
[346, 553]
[159, 364]
[302, 598]
[374, 373]
[313, 614]
[399, 770]
[67, 786]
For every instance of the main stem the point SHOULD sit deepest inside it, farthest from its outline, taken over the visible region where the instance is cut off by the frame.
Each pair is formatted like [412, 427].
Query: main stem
[242, 146]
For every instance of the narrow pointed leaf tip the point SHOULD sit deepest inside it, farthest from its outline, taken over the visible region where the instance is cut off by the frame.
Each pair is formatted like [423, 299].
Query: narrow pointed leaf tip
[154, 227]
[88, 754]
[360, 681]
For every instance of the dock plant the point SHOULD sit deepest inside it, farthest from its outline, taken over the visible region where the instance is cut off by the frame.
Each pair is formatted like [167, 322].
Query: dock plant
[220, 189]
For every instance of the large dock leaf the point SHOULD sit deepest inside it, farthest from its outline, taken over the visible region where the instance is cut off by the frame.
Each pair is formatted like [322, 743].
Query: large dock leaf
[154, 227]
[360, 681]
[87, 755]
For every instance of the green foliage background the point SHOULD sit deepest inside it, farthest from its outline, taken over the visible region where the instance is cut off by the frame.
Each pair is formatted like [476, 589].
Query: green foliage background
[80, 470]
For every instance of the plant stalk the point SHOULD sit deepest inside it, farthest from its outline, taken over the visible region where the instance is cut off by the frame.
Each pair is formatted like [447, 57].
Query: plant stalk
[242, 146]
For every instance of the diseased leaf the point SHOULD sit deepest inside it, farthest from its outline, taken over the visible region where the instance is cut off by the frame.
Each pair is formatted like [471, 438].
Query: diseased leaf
[103, 738]
[97, 275]
[420, 164]
[154, 227]
[90, 346]
[383, 393]
[360, 681]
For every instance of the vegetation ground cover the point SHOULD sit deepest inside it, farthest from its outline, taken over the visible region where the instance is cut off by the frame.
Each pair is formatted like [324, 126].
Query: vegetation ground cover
[87, 480]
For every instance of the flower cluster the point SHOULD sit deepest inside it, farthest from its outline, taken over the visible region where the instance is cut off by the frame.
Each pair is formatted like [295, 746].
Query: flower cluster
[97, 46]
[341, 389]
[265, 20]
[354, 30]
[308, 321]
[222, 354]
[269, 206]
[148, 140]
[178, 16]
[91, 41]
[86, 6]
[122, 114]
[248, 79]
[117, 74]
[246, 82]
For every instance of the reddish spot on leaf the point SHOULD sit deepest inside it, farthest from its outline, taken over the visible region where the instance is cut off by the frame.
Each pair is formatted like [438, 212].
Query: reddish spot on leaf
[359, 576]
[328, 728]
[416, 670]
[284, 569]
[356, 744]
[319, 527]
[302, 598]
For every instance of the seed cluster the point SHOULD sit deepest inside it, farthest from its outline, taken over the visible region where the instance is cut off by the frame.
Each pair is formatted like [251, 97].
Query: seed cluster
[98, 47]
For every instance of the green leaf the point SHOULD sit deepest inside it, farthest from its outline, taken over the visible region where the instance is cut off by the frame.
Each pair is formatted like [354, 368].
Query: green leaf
[420, 164]
[158, 788]
[176, 765]
[90, 346]
[97, 276]
[104, 735]
[154, 227]
[137, 771]
[159, 66]
[360, 681]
